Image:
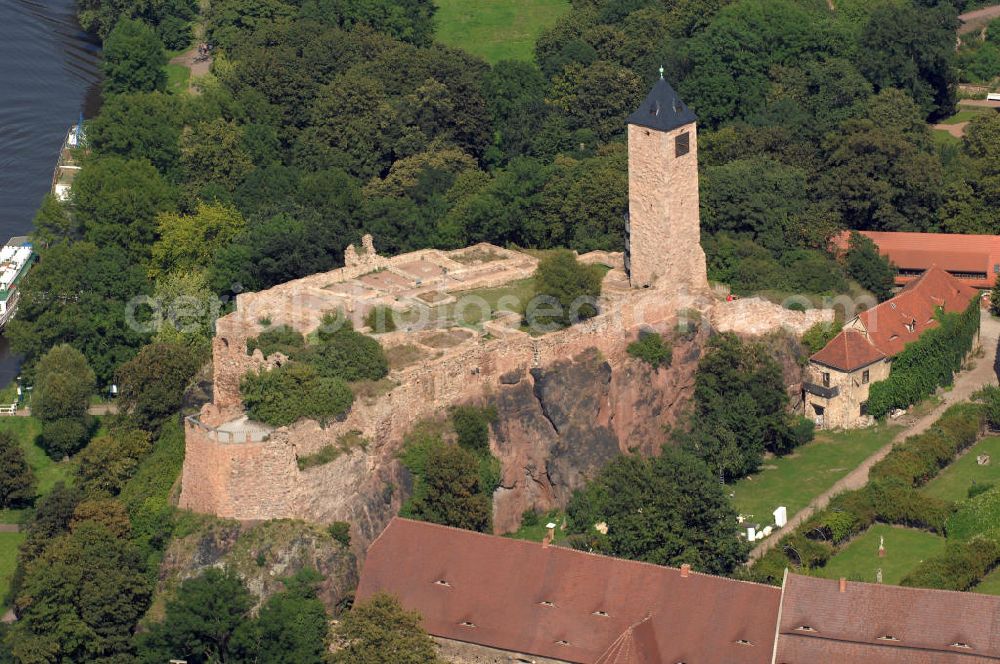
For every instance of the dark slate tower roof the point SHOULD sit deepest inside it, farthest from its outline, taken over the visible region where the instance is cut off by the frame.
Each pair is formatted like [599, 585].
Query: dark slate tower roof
[663, 110]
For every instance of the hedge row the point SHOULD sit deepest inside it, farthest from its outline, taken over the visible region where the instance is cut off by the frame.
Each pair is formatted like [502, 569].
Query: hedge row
[976, 516]
[928, 363]
[922, 457]
[960, 567]
[889, 497]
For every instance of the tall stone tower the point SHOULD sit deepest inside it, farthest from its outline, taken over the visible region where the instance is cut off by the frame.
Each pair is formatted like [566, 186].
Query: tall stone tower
[663, 232]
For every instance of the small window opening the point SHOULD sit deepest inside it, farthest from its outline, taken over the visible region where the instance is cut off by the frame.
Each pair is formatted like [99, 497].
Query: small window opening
[603, 614]
[804, 628]
[887, 637]
[826, 379]
[744, 642]
[562, 642]
[865, 376]
[546, 603]
[466, 623]
[682, 144]
[959, 644]
[442, 582]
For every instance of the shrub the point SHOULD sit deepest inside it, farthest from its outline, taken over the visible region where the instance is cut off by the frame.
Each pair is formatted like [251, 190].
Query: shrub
[960, 567]
[834, 526]
[976, 516]
[380, 319]
[107, 463]
[819, 335]
[330, 453]
[345, 354]
[650, 349]
[152, 383]
[281, 339]
[472, 426]
[565, 282]
[928, 363]
[341, 531]
[293, 391]
[869, 268]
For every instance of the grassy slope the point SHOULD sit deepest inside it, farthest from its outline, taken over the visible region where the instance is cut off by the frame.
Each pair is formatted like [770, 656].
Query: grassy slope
[8, 561]
[905, 549]
[954, 481]
[496, 29]
[47, 471]
[990, 584]
[794, 480]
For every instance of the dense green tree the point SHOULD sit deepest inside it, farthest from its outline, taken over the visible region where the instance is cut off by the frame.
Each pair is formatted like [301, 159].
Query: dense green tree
[139, 126]
[291, 628]
[215, 153]
[342, 353]
[109, 461]
[568, 289]
[203, 623]
[515, 92]
[740, 408]
[64, 383]
[151, 385]
[78, 294]
[378, 631]
[54, 223]
[869, 268]
[133, 59]
[912, 48]
[472, 426]
[17, 480]
[408, 20]
[81, 598]
[667, 510]
[597, 97]
[187, 242]
[450, 491]
[117, 202]
[583, 203]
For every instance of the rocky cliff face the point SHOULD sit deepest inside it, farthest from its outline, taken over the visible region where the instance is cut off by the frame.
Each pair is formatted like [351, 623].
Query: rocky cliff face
[560, 424]
[262, 555]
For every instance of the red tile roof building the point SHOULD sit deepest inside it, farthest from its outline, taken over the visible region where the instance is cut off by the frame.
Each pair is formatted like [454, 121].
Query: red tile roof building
[538, 601]
[568, 605]
[842, 371]
[975, 259]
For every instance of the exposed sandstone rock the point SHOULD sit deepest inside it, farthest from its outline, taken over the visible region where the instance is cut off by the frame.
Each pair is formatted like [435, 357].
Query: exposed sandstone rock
[261, 554]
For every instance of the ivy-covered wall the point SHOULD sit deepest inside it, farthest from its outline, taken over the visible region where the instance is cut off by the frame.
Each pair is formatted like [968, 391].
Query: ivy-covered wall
[928, 363]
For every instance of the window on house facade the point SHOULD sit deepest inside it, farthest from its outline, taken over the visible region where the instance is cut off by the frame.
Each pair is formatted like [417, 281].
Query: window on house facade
[864, 408]
[826, 379]
[682, 144]
[865, 376]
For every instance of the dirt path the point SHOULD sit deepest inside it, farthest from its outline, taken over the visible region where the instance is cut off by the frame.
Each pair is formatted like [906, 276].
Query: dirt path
[966, 383]
[977, 20]
[189, 58]
[957, 129]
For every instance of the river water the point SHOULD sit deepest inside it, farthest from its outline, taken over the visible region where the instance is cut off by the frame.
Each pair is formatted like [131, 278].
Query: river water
[49, 74]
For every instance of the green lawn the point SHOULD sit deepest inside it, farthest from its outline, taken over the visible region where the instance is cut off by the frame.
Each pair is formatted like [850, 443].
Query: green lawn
[967, 115]
[990, 585]
[8, 561]
[954, 481]
[943, 138]
[496, 29]
[177, 78]
[794, 480]
[47, 471]
[905, 548]
[536, 533]
[512, 297]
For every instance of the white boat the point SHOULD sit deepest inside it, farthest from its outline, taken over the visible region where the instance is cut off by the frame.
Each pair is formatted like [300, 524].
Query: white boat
[16, 258]
[67, 166]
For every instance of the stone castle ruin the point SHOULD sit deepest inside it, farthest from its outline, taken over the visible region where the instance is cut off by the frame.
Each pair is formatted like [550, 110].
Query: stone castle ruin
[569, 400]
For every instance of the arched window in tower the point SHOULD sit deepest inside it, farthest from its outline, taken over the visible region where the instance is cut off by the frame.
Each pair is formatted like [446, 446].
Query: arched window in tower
[682, 144]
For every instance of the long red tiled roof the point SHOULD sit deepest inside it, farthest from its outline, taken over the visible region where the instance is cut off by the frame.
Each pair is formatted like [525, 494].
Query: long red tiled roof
[567, 605]
[951, 252]
[848, 351]
[882, 624]
[893, 324]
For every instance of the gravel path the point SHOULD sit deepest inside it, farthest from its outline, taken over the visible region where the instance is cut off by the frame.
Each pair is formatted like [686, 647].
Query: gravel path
[966, 383]
[977, 20]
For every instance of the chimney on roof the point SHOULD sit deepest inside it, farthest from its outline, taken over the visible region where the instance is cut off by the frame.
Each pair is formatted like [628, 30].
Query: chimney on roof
[843, 585]
[550, 534]
[685, 570]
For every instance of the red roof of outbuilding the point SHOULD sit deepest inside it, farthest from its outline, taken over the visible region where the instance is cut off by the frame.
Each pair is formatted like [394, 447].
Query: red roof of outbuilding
[568, 605]
[952, 252]
[893, 324]
[848, 351]
[882, 624]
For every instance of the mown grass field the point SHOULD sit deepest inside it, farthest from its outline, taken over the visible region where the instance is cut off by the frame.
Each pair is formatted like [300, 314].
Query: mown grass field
[178, 77]
[905, 549]
[794, 480]
[954, 481]
[496, 29]
[8, 561]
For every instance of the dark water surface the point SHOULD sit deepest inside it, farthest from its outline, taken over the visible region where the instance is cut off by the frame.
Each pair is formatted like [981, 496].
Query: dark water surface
[49, 74]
